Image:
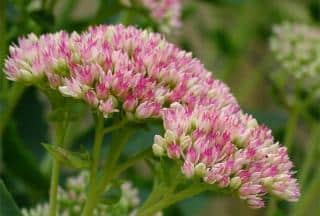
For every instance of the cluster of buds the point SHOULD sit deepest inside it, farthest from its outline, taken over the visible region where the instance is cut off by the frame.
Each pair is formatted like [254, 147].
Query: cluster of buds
[297, 48]
[116, 67]
[71, 200]
[229, 149]
[167, 13]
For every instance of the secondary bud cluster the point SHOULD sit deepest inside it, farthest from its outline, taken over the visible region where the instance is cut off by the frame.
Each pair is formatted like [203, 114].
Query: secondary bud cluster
[297, 48]
[167, 13]
[225, 147]
[71, 200]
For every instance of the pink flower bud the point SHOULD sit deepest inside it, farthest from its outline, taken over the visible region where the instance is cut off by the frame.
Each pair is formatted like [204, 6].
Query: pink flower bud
[188, 169]
[174, 151]
[91, 98]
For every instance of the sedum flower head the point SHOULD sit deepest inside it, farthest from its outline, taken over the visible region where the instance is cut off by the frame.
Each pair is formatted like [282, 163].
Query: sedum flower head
[116, 68]
[226, 147]
[297, 48]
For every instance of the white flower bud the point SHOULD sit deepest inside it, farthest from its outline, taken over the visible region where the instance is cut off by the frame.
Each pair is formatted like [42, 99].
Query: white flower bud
[235, 182]
[185, 141]
[200, 169]
[159, 140]
[158, 150]
[170, 136]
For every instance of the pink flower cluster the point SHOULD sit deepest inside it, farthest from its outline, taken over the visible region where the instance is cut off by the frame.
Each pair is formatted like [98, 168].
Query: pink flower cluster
[116, 68]
[225, 147]
[165, 11]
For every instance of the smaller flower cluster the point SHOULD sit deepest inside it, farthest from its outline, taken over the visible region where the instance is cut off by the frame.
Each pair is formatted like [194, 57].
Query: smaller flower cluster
[167, 13]
[229, 149]
[71, 200]
[297, 48]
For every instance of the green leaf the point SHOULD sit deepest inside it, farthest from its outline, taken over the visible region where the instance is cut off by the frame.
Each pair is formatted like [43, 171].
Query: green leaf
[71, 159]
[15, 153]
[7, 204]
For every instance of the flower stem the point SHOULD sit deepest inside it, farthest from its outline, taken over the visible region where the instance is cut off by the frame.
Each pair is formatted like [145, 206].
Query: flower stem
[311, 155]
[291, 126]
[98, 139]
[139, 156]
[58, 140]
[119, 139]
[309, 198]
[116, 126]
[172, 198]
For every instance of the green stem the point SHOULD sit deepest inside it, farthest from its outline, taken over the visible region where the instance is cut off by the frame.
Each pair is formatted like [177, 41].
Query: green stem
[311, 155]
[58, 140]
[116, 146]
[116, 126]
[98, 140]
[95, 163]
[55, 173]
[131, 161]
[291, 126]
[310, 197]
[155, 195]
[171, 198]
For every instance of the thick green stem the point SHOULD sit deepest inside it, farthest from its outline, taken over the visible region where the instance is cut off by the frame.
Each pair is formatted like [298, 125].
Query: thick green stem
[117, 144]
[55, 173]
[171, 198]
[58, 140]
[309, 198]
[95, 164]
[291, 127]
[119, 139]
[98, 140]
[311, 154]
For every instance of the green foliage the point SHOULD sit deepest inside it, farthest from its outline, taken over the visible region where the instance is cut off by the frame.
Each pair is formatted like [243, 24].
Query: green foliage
[74, 160]
[7, 204]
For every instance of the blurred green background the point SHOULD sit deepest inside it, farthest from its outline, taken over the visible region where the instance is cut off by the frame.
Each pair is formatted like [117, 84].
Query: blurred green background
[230, 37]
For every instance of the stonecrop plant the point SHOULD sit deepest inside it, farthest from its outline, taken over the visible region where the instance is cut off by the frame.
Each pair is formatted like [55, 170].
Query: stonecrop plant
[131, 78]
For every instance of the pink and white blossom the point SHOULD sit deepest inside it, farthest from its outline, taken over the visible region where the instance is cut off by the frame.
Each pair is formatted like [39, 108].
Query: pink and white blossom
[226, 147]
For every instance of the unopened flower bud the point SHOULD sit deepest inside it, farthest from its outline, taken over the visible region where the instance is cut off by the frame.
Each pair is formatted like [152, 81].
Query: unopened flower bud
[185, 141]
[159, 140]
[188, 169]
[170, 136]
[200, 169]
[235, 182]
[157, 150]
